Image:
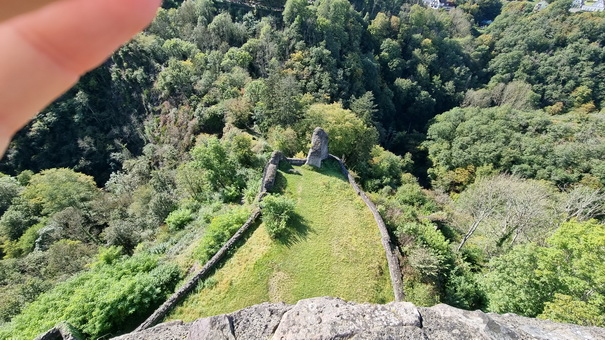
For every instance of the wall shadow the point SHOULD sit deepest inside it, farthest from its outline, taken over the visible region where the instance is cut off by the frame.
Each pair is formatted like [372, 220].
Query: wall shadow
[331, 168]
[279, 187]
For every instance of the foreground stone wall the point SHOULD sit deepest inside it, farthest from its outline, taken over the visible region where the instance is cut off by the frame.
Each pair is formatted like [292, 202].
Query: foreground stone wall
[332, 318]
[62, 331]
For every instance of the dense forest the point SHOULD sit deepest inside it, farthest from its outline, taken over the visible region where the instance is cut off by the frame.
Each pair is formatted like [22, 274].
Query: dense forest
[479, 132]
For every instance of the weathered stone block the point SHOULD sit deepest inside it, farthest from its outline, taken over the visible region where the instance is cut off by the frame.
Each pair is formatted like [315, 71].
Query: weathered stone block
[213, 328]
[319, 148]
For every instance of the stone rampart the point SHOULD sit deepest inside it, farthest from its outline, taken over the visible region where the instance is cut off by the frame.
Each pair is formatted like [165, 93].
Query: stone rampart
[296, 161]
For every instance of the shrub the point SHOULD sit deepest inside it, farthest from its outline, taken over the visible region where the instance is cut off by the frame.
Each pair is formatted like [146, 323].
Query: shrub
[385, 168]
[126, 233]
[9, 189]
[277, 211]
[56, 189]
[110, 298]
[16, 220]
[515, 284]
[565, 308]
[410, 193]
[220, 230]
[421, 294]
[67, 257]
[178, 219]
[25, 244]
[463, 291]
[285, 140]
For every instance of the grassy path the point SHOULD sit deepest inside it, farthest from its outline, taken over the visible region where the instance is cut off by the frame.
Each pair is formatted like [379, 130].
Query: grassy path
[334, 250]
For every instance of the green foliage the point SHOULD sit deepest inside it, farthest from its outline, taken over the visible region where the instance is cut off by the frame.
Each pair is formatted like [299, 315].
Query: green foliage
[179, 49]
[16, 296]
[431, 239]
[277, 212]
[17, 219]
[565, 308]
[515, 283]
[108, 255]
[218, 170]
[561, 281]
[385, 169]
[240, 147]
[531, 46]
[9, 189]
[482, 10]
[463, 291]
[23, 279]
[25, 244]
[530, 144]
[219, 231]
[350, 137]
[176, 78]
[281, 102]
[238, 112]
[285, 140]
[577, 257]
[67, 257]
[365, 108]
[421, 294]
[106, 299]
[179, 219]
[56, 189]
[410, 194]
[24, 177]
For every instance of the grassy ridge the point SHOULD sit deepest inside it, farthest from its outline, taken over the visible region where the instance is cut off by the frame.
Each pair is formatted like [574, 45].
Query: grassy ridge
[334, 249]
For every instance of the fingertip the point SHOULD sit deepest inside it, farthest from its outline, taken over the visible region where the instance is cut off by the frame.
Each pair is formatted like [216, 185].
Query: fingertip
[80, 34]
[138, 12]
[51, 47]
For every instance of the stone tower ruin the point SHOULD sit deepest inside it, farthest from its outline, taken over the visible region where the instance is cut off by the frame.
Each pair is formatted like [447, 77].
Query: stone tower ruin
[319, 148]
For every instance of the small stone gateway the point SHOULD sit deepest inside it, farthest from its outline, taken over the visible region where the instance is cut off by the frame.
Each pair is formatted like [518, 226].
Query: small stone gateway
[319, 148]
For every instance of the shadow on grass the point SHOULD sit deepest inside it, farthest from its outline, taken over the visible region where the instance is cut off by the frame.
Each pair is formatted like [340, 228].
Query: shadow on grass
[298, 231]
[331, 168]
[280, 180]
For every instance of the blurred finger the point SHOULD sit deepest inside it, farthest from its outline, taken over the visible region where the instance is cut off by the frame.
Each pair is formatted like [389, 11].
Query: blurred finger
[50, 48]
[11, 8]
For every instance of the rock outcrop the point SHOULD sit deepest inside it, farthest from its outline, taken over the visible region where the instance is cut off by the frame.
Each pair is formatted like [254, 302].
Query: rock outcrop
[62, 331]
[333, 318]
[319, 148]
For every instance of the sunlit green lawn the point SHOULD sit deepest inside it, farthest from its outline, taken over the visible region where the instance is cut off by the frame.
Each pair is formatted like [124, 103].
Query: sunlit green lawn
[334, 250]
